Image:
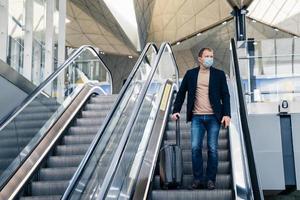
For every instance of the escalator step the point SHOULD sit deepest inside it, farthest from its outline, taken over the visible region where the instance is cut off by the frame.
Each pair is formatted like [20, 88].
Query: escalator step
[48, 187]
[110, 98]
[9, 142]
[64, 161]
[186, 133]
[78, 139]
[79, 149]
[89, 122]
[93, 114]
[9, 152]
[223, 167]
[5, 162]
[98, 107]
[54, 197]
[186, 143]
[222, 154]
[34, 116]
[192, 195]
[78, 130]
[53, 174]
[223, 181]
[12, 132]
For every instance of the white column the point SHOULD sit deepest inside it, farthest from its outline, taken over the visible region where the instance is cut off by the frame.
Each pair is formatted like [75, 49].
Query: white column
[62, 31]
[61, 46]
[28, 39]
[3, 28]
[50, 6]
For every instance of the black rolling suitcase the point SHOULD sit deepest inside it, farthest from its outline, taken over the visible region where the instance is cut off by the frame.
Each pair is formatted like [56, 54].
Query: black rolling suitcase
[170, 163]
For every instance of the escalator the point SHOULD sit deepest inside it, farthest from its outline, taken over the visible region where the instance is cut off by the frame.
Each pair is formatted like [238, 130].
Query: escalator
[133, 171]
[63, 124]
[223, 180]
[122, 163]
[52, 178]
[44, 139]
[114, 156]
[236, 176]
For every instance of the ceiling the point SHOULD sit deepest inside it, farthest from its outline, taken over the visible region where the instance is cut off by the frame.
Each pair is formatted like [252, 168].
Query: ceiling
[92, 22]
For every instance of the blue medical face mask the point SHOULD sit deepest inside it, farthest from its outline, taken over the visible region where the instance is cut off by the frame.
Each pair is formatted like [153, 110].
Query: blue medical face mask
[208, 62]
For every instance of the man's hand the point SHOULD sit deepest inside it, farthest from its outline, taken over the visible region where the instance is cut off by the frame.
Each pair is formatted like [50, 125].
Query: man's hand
[175, 116]
[225, 121]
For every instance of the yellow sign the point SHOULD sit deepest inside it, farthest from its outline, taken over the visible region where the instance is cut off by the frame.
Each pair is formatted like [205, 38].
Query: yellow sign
[164, 100]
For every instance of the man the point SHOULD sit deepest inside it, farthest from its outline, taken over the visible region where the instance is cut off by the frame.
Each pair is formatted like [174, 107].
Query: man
[208, 106]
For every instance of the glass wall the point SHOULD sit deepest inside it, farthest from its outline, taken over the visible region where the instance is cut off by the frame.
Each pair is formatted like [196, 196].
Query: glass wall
[17, 30]
[271, 69]
[16, 24]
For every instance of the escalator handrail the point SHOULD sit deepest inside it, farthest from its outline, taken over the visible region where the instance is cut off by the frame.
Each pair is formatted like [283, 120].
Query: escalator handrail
[9, 117]
[93, 146]
[257, 192]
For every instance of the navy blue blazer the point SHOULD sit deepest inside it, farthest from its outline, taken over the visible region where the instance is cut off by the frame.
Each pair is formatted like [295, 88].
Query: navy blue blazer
[218, 93]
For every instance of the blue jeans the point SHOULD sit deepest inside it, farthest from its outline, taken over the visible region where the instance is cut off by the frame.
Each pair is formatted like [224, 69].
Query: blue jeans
[200, 124]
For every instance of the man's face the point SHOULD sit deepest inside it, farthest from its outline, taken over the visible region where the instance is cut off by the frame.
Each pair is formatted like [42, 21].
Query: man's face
[206, 54]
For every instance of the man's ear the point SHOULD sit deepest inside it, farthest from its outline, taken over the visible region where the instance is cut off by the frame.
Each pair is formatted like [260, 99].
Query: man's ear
[199, 59]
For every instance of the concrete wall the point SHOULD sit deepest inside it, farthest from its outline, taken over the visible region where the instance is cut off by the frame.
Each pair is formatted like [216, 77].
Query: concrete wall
[120, 67]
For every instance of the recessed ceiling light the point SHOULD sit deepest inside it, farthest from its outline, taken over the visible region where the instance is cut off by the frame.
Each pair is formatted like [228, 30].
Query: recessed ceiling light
[253, 20]
[198, 34]
[177, 43]
[102, 52]
[224, 23]
[276, 29]
[130, 57]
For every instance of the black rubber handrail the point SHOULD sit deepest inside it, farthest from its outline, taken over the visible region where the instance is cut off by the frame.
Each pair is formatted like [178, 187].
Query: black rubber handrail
[9, 117]
[93, 146]
[246, 133]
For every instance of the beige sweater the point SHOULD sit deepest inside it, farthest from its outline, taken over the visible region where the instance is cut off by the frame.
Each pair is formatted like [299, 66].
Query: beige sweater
[202, 105]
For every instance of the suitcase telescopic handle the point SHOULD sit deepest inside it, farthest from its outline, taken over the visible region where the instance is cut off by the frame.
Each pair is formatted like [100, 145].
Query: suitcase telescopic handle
[178, 131]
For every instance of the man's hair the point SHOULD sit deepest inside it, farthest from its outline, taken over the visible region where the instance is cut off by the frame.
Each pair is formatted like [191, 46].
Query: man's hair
[203, 49]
